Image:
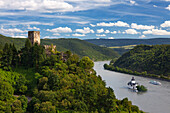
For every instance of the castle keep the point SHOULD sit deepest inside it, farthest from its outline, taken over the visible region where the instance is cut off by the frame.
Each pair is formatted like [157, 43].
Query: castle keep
[34, 36]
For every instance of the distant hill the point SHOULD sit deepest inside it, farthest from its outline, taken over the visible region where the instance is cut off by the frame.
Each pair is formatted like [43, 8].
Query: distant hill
[124, 45]
[19, 42]
[80, 47]
[152, 59]
[124, 42]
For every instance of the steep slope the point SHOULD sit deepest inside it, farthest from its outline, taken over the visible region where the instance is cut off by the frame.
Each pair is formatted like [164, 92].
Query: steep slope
[82, 48]
[152, 59]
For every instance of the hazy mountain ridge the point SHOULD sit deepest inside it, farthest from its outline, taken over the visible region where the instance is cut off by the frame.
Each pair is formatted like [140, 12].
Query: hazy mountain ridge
[124, 42]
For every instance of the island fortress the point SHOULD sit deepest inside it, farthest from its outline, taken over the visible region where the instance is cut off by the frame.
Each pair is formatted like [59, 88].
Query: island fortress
[34, 37]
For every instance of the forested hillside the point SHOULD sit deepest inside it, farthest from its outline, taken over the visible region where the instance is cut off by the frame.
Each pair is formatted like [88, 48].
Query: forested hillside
[80, 47]
[19, 42]
[54, 83]
[152, 59]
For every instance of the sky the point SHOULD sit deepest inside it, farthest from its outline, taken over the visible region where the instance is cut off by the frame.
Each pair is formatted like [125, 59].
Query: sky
[86, 19]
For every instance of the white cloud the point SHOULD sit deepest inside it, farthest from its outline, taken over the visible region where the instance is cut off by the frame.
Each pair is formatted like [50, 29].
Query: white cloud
[118, 23]
[167, 0]
[121, 24]
[56, 34]
[111, 38]
[155, 6]
[85, 30]
[38, 5]
[166, 24]
[131, 31]
[61, 30]
[67, 35]
[8, 31]
[1, 3]
[133, 2]
[76, 34]
[18, 36]
[135, 26]
[53, 5]
[33, 28]
[103, 35]
[107, 31]
[5, 22]
[92, 25]
[105, 24]
[35, 23]
[48, 37]
[156, 32]
[168, 7]
[114, 32]
[100, 30]
[142, 36]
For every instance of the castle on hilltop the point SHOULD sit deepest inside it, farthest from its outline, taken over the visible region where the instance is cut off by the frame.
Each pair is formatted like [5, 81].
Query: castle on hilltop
[34, 37]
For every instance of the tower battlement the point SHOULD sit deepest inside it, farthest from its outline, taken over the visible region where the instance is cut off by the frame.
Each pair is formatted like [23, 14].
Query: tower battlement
[34, 36]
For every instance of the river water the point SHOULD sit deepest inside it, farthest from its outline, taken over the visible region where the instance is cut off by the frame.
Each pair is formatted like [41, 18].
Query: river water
[155, 100]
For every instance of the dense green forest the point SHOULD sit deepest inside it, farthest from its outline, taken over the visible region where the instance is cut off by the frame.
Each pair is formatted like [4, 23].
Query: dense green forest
[76, 46]
[146, 60]
[32, 81]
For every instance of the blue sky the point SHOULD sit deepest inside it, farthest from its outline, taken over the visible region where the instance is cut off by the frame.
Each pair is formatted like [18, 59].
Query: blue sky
[86, 19]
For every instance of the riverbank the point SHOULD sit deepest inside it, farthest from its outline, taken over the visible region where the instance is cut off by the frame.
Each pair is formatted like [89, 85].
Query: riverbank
[142, 74]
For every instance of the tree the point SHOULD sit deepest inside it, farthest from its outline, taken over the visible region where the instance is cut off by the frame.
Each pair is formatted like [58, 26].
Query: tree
[26, 54]
[20, 86]
[24, 102]
[32, 103]
[43, 83]
[53, 81]
[6, 91]
[110, 104]
[7, 57]
[86, 63]
[47, 107]
[17, 107]
[15, 58]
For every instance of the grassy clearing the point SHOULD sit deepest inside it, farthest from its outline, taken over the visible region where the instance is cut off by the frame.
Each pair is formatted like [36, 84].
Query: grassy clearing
[125, 47]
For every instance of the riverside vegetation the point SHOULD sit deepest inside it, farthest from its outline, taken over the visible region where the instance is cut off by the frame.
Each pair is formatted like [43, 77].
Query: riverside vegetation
[144, 60]
[54, 84]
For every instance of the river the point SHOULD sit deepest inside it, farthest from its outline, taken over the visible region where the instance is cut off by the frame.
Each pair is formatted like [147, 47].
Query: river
[155, 100]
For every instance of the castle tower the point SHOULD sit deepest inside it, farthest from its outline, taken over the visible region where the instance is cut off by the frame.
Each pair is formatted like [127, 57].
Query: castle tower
[34, 36]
